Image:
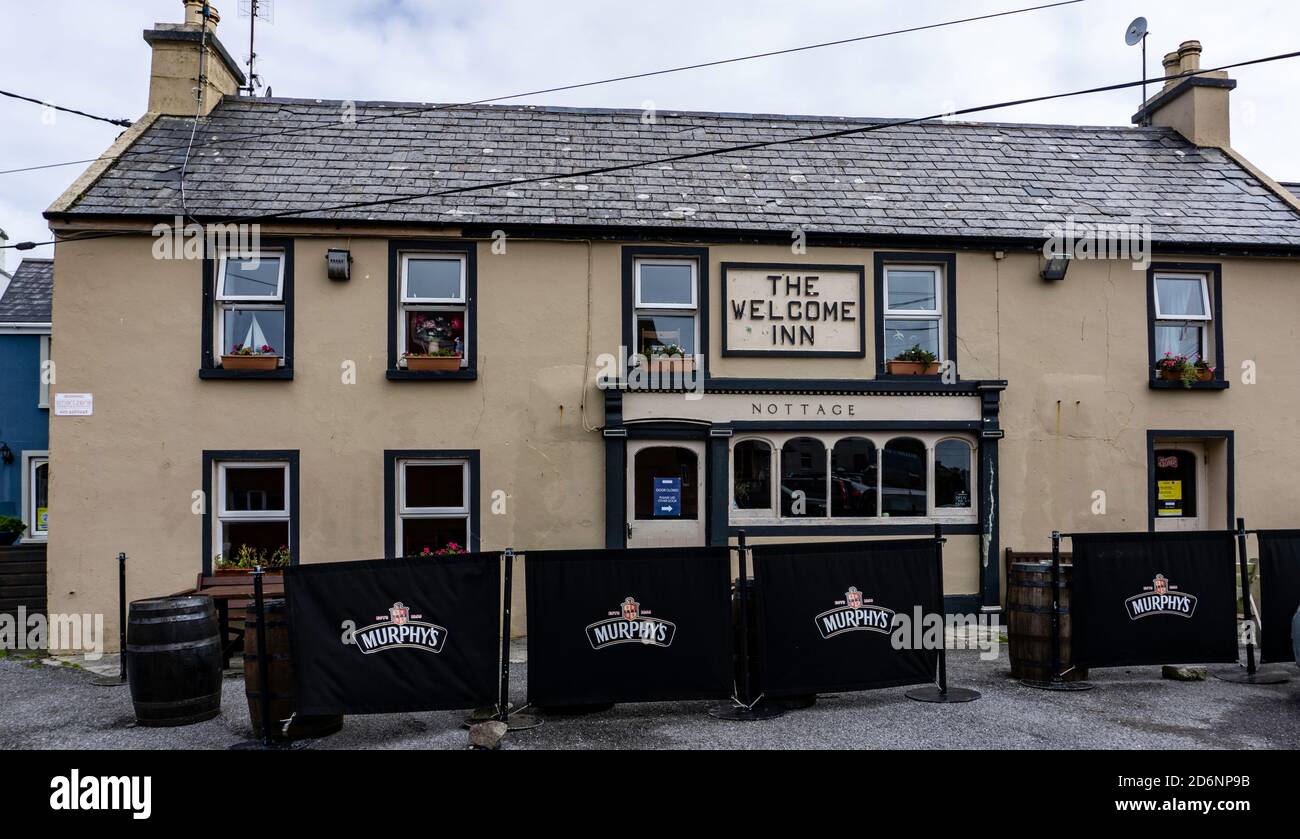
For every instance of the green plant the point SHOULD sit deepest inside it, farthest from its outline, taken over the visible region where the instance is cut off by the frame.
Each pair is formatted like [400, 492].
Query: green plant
[240, 349]
[450, 549]
[915, 353]
[667, 349]
[1186, 369]
[432, 354]
[9, 524]
[248, 558]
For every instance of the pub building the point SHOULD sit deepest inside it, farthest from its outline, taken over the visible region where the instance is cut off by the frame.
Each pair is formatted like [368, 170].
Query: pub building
[486, 369]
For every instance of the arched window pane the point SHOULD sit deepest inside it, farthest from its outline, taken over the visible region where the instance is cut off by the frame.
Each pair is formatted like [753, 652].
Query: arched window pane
[853, 478]
[660, 463]
[752, 474]
[803, 478]
[903, 478]
[952, 474]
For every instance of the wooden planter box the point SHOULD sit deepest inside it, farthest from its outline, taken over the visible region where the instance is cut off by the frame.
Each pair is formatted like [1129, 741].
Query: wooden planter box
[671, 364]
[912, 368]
[250, 362]
[437, 364]
[1205, 375]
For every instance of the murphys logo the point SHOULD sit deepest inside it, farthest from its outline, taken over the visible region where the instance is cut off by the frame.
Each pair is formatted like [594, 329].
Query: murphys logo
[854, 613]
[400, 628]
[631, 624]
[1160, 598]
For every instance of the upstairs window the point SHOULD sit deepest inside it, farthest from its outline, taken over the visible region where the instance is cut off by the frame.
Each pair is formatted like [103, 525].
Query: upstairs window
[913, 310]
[250, 305]
[1185, 326]
[666, 310]
[434, 303]
[1183, 318]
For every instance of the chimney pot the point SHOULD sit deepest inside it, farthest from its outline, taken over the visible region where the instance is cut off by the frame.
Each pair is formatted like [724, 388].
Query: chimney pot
[194, 14]
[1172, 62]
[1189, 56]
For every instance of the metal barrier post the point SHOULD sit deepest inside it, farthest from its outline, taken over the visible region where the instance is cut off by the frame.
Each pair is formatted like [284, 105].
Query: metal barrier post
[1250, 676]
[1057, 680]
[744, 708]
[940, 692]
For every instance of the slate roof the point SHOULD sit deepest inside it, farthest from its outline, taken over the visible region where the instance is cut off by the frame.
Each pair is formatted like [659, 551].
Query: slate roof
[941, 179]
[27, 300]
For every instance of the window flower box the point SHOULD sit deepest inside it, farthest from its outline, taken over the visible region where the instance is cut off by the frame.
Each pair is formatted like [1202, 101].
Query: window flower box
[1185, 369]
[244, 357]
[912, 368]
[432, 363]
[676, 364]
[913, 361]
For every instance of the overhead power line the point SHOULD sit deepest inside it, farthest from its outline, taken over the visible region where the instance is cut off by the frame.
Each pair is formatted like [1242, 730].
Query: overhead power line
[424, 109]
[125, 123]
[686, 156]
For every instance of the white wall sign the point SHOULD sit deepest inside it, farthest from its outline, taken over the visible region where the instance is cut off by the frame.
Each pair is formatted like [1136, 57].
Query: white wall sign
[74, 404]
[793, 310]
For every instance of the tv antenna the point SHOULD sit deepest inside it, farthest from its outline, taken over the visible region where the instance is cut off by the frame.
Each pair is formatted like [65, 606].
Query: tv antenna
[255, 10]
[1135, 34]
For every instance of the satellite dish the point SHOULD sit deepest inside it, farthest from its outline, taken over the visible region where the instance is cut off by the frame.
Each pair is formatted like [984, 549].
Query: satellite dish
[1136, 31]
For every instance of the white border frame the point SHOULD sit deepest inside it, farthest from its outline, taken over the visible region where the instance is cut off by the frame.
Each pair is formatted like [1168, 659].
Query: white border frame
[29, 499]
[221, 297]
[938, 314]
[665, 309]
[401, 512]
[407, 256]
[879, 439]
[406, 303]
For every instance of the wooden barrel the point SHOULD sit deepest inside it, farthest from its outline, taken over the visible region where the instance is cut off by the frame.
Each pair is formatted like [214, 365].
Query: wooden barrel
[280, 678]
[1029, 621]
[173, 660]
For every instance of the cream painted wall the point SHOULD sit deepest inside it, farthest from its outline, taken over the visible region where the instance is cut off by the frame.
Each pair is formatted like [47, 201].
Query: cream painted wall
[1075, 413]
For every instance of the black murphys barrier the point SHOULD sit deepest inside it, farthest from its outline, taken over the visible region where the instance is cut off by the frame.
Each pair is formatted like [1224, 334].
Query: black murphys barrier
[1279, 588]
[637, 625]
[828, 611]
[1153, 598]
[389, 635]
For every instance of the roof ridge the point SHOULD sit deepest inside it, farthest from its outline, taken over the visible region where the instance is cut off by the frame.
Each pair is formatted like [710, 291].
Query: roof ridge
[436, 107]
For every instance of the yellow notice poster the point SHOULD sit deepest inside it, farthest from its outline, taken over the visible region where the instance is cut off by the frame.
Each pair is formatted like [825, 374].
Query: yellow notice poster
[1170, 490]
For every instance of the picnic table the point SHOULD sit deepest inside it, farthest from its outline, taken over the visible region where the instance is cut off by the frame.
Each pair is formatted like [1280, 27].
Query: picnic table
[233, 591]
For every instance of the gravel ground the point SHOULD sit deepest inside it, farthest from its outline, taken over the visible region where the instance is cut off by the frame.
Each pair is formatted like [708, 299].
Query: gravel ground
[49, 707]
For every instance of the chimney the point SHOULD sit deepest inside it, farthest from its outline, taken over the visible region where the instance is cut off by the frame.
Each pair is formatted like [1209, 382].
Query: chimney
[1194, 106]
[181, 53]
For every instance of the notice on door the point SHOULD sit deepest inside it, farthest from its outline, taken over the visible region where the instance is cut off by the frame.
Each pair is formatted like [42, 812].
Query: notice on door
[668, 497]
[1169, 494]
[813, 310]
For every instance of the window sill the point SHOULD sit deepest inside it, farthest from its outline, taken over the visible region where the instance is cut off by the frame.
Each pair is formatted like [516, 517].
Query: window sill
[898, 526]
[282, 374]
[401, 375]
[1162, 384]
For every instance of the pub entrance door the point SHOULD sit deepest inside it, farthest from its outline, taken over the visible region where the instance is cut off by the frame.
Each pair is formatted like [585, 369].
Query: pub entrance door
[665, 499]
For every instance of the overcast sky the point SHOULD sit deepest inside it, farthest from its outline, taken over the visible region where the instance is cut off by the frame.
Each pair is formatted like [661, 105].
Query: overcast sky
[89, 55]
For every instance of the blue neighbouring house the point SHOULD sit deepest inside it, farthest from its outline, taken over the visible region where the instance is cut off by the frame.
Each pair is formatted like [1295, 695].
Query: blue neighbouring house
[25, 396]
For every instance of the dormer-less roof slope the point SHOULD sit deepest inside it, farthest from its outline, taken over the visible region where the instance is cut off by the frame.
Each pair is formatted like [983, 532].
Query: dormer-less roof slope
[937, 179]
[27, 300]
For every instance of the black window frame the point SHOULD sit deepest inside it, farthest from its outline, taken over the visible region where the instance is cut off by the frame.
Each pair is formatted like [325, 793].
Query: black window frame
[211, 457]
[631, 253]
[886, 259]
[397, 247]
[1213, 271]
[208, 367]
[392, 456]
